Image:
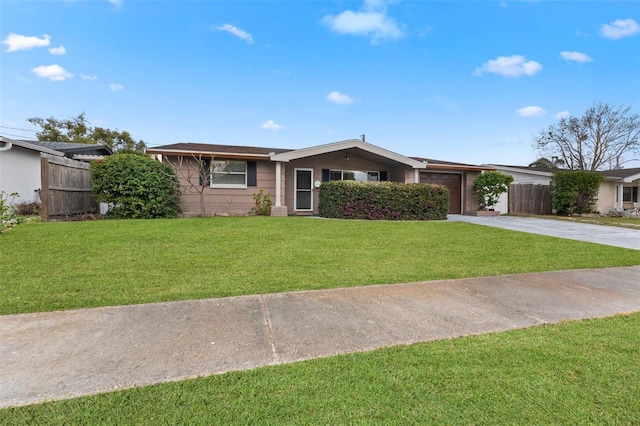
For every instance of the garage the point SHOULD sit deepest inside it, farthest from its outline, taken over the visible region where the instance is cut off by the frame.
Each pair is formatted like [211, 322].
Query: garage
[453, 182]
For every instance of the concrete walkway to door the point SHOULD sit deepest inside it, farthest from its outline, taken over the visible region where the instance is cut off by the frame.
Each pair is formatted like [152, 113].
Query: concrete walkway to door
[600, 234]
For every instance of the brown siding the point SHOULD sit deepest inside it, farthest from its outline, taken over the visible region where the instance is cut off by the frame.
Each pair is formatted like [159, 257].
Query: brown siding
[235, 201]
[469, 201]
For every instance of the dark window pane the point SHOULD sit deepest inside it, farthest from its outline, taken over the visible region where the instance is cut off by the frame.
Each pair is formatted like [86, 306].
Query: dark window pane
[303, 200]
[303, 179]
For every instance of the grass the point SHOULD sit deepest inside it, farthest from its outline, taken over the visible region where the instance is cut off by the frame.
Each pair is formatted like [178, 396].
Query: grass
[65, 265]
[577, 373]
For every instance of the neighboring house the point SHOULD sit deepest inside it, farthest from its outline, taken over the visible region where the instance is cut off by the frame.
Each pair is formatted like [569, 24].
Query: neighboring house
[618, 191]
[20, 168]
[20, 164]
[522, 175]
[77, 151]
[292, 177]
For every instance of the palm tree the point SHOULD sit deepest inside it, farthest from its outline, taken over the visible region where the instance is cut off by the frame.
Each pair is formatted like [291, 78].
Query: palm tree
[545, 163]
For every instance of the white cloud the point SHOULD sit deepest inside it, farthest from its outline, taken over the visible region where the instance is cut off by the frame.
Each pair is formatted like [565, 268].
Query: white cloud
[271, 125]
[562, 114]
[17, 42]
[531, 111]
[372, 22]
[236, 32]
[116, 3]
[620, 28]
[88, 77]
[115, 87]
[58, 50]
[339, 98]
[576, 56]
[509, 66]
[52, 72]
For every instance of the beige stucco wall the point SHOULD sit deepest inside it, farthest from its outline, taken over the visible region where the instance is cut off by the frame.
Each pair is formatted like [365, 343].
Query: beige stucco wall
[606, 197]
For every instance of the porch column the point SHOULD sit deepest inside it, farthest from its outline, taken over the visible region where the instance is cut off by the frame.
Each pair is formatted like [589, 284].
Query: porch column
[416, 176]
[278, 209]
[278, 182]
[620, 202]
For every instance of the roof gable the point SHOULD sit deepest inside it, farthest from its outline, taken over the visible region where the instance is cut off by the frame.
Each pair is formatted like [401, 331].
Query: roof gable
[347, 145]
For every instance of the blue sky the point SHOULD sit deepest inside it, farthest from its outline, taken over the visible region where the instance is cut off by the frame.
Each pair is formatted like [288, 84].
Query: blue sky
[465, 81]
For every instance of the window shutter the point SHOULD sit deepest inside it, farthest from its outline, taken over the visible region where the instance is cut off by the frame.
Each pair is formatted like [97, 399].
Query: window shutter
[383, 176]
[205, 176]
[252, 173]
[326, 176]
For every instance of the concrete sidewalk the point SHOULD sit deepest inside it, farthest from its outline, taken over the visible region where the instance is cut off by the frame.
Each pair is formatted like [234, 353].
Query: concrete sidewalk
[65, 354]
[600, 234]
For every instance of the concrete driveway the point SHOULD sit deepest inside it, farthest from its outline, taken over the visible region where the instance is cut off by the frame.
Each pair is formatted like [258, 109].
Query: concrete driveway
[600, 234]
[65, 354]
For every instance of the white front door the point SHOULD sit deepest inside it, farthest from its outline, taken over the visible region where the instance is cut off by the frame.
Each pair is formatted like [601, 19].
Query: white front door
[304, 190]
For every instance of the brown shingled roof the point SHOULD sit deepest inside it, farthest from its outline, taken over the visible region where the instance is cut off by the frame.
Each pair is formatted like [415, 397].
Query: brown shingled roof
[229, 149]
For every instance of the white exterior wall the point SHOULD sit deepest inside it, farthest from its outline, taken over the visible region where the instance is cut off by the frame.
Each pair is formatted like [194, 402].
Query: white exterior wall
[20, 172]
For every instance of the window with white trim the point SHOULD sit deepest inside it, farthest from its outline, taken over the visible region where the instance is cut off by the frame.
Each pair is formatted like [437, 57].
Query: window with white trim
[228, 174]
[357, 175]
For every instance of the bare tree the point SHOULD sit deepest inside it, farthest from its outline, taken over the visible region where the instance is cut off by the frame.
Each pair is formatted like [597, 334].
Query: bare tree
[601, 138]
[195, 173]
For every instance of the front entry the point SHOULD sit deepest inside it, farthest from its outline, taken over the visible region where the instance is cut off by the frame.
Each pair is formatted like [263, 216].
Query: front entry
[304, 190]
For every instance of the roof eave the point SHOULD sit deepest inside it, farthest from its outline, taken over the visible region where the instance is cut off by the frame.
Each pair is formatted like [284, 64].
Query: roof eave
[212, 154]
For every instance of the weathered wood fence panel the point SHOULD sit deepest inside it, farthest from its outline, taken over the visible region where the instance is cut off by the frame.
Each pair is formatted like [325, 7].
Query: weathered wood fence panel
[66, 187]
[529, 199]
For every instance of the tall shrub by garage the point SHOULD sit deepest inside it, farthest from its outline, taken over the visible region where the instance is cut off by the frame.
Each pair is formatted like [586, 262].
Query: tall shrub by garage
[136, 187]
[575, 191]
[383, 201]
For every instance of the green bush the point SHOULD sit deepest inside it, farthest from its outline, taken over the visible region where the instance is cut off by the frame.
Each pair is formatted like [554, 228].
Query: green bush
[489, 185]
[136, 186]
[574, 192]
[383, 200]
[262, 204]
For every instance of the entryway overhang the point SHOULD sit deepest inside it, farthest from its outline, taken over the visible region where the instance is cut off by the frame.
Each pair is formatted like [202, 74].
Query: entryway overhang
[352, 147]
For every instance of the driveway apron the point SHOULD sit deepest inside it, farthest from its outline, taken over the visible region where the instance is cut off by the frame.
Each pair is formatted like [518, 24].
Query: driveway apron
[600, 234]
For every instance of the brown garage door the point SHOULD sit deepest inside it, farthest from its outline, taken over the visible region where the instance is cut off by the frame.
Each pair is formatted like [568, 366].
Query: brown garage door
[453, 182]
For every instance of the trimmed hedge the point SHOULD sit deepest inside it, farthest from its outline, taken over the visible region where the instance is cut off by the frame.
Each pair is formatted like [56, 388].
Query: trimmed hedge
[575, 191]
[383, 201]
[136, 186]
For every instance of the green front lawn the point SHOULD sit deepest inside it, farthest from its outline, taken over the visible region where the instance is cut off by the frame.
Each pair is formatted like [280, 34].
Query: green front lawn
[51, 266]
[574, 373]
[65, 265]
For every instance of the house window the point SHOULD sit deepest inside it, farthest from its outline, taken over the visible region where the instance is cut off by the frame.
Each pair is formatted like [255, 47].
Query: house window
[228, 174]
[356, 175]
[630, 194]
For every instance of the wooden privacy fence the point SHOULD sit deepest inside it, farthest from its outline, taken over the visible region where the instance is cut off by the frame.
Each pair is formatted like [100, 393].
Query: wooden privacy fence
[66, 187]
[529, 199]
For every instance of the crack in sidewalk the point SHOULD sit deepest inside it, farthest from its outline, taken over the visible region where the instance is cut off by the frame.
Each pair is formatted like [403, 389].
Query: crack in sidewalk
[267, 323]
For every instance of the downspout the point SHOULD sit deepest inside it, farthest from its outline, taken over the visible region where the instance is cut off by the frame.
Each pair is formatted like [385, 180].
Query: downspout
[7, 146]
